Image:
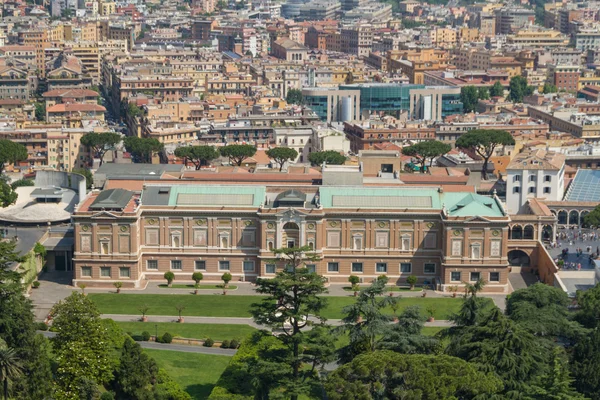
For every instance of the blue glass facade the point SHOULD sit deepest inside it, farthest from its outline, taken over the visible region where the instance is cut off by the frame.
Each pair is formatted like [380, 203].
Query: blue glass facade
[318, 104]
[383, 97]
[451, 105]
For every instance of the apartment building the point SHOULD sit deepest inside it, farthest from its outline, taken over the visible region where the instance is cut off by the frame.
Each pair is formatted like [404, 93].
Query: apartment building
[564, 77]
[365, 135]
[511, 20]
[587, 39]
[357, 40]
[538, 38]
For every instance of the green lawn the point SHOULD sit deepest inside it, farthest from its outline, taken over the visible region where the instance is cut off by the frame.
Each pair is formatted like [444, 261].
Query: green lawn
[238, 306]
[389, 289]
[217, 332]
[191, 286]
[196, 373]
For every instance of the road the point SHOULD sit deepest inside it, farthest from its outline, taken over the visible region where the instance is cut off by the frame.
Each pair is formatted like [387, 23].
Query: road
[173, 347]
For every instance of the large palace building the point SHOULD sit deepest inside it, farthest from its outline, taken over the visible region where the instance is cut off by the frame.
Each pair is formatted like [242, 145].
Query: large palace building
[442, 237]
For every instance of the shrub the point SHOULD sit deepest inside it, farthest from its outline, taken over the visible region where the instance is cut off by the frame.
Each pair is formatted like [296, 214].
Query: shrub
[169, 276]
[226, 278]
[234, 344]
[137, 338]
[208, 342]
[354, 280]
[145, 336]
[36, 284]
[21, 183]
[197, 277]
[225, 344]
[107, 396]
[166, 338]
[411, 280]
[40, 326]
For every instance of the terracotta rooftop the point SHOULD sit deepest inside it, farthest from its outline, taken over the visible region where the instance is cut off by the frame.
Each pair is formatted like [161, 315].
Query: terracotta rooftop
[75, 93]
[57, 108]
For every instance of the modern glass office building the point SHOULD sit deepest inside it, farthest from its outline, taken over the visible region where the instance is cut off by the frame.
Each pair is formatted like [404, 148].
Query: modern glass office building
[391, 98]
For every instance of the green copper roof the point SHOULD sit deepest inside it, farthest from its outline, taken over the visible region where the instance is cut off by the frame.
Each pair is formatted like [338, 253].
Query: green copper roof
[377, 197]
[471, 205]
[208, 195]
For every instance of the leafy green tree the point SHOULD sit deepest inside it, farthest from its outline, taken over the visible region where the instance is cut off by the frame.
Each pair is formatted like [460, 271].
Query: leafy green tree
[557, 384]
[427, 150]
[549, 88]
[294, 96]
[497, 344]
[592, 218]
[292, 296]
[497, 90]
[389, 375]
[589, 307]
[237, 153]
[483, 93]
[82, 346]
[7, 194]
[469, 98]
[100, 143]
[40, 111]
[406, 336]
[281, 155]
[518, 88]
[136, 373]
[10, 368]
[330, 157]
[11, 152]
[542, 310]
[585, 363]
[22, 183]
[89, 178]
[365, 320]
[484, 142]
[142, 149]
[197, 155]
[133, 110]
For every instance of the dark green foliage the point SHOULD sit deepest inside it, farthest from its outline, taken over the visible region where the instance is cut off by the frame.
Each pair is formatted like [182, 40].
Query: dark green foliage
[294, 96]
[107, 396]
[7, 195]
[497, 90]
[208, 342]
[100, 143]
[237, 153]
[40, 111]
[166, 338]
[11, 152]
[585, 364]
[469, 98]
[483, 93]
[234, 344]
[89, 178]
[592, 219]
[406, 337]
[40, 326]
[484, 142]
[549, 88]
[169, 276]
[519, 88]
[22, 182]
[136, 372]
[330, 157]
[427, 150]
[224, 345]
[146, 336]
[142, 149]
[197, 155]
[281, 155]
[133, 110]
[389, 375]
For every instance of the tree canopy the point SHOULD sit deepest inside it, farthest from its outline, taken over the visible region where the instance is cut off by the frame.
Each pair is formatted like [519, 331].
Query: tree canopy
[281, 155]
[237, 153]
[100, 143]
[427, 150]
[294, 96]
[8, 195]
[142, 149]
[469, 97]
[330, 157]
[197, 155]
[484, 142]
[497, 90]
[592, 218]
[549, 88]
[518, 89]
[11, 152]
[388, 375]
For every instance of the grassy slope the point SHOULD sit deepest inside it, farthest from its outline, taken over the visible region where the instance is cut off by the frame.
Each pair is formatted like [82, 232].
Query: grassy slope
[217, 332]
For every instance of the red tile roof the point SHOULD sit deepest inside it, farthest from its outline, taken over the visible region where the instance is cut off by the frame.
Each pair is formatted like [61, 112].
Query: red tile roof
[57, 108]
[75, 93]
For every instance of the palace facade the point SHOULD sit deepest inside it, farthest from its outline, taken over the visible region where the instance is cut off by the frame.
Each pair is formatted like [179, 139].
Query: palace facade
[444, 238]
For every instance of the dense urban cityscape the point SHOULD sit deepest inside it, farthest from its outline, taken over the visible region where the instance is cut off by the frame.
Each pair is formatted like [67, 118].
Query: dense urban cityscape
[299, 199]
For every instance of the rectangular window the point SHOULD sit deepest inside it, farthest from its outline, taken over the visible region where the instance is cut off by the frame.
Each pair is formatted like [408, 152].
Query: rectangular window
[517, 178]
[105, 272]
[291, 244]
[200, 265]
[474, 276]
[517, 190]
[124, 272]
[248, 266]
[547, 178]
[86, 271]
[531, 178]
[531, 189]
[455, 276]
[270, 268]
[357, 267]
[494, 276]
[152, 265]
[405, 268]
[381, 268]
[312, 268]
[547, 190]
[429, 268]
[223, 265]
[176, 264]
[333, 267]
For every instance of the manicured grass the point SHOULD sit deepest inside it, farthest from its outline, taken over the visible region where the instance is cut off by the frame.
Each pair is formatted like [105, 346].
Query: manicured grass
[238, 306]
[196, 373]
[217, 332]
[200, 287]
[389, 289]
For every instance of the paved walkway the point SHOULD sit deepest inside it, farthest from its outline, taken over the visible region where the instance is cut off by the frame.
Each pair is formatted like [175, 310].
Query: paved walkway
[520, 280]
[173, 347]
